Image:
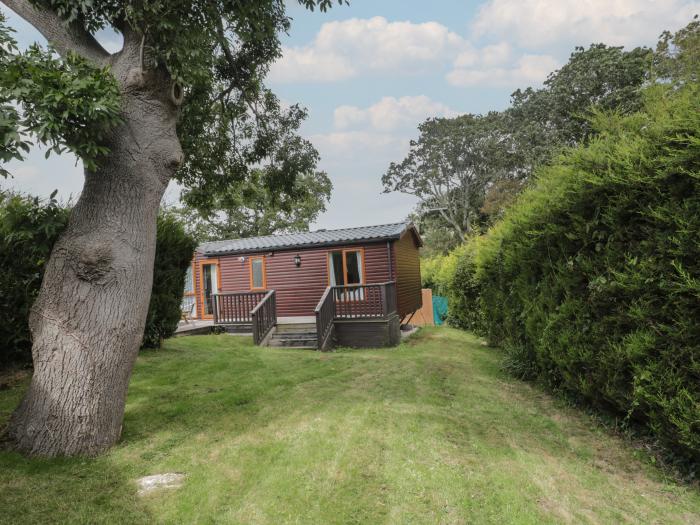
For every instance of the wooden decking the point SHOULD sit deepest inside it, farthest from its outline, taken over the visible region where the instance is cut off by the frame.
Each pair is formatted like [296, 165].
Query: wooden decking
[363, 315]
[194, 327]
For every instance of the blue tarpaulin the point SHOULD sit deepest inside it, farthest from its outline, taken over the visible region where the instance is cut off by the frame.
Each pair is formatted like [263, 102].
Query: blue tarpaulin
[439, 309]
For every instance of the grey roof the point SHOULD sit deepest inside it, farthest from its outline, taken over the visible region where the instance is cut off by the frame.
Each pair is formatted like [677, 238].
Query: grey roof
[382, 232]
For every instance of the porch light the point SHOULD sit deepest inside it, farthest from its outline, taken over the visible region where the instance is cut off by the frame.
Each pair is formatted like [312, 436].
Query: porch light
[297, 260]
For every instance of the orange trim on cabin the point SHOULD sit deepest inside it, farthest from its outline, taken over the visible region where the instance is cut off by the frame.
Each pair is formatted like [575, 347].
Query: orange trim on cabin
[264, 273]
[202, 264]
[345, 266]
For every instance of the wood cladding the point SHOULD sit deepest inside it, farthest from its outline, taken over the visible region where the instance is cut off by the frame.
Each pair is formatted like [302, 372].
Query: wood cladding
[299, 289]
[408, 282]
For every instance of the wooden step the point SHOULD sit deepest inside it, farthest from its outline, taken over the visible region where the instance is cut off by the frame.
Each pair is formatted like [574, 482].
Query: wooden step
[293, 343]
[238, 328]
[295, 327]
[294, 335]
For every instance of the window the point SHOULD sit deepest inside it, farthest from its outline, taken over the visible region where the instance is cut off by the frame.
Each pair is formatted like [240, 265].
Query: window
[258, 278]
[189, 282]
[346, 268]
[189, 304]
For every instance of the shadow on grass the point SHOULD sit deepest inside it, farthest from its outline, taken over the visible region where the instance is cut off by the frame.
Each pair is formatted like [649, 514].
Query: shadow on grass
[67, 490]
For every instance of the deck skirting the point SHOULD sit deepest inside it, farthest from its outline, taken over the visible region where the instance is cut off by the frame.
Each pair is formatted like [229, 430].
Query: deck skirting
[368, 333]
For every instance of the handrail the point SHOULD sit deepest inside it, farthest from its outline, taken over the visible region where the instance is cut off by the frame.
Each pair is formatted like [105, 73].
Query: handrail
[235, 307]
[325, 313]
[364, 300]
[264, 317]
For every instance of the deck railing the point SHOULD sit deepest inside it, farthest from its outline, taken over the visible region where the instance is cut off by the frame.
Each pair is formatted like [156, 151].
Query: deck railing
[365, 300]
[325, 313]
[264, 317]
[235, 308]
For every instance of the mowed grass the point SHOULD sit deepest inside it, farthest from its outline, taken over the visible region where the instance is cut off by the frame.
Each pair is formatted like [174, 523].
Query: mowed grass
[429, 432]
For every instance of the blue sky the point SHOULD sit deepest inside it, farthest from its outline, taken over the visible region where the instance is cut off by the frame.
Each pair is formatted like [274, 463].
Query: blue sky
[370, 72]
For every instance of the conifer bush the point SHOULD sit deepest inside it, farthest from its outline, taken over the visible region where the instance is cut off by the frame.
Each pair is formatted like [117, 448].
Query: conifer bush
[29, 227]
[592, 280]
[174, 252]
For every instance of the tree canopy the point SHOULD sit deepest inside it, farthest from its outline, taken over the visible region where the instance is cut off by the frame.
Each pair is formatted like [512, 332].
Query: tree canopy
[466, 170]
[216, 53]
[251, 208]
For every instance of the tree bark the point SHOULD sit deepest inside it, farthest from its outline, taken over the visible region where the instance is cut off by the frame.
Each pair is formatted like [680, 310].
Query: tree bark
[88, 320]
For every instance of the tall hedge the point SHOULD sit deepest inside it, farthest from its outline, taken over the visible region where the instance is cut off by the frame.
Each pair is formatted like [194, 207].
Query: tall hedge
[29, 228]
[592, 280]
[174, 251]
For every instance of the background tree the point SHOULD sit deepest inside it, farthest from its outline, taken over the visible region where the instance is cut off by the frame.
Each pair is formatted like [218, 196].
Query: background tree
[677, 56]
[251, 208]
[546, 120]
[449, 167]
[473, 167]
[121, 114]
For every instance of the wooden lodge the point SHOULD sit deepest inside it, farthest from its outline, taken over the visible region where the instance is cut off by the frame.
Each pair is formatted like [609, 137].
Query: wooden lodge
[346, 287]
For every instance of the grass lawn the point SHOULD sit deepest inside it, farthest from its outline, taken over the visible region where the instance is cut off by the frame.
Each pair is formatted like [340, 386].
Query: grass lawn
[429, 432]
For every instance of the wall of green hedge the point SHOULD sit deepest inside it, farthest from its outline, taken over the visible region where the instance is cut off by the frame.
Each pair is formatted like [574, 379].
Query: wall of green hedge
[28, 229]
[174, 251]
[592, 281]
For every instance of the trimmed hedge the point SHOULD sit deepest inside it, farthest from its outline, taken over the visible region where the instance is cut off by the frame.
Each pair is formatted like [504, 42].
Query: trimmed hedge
[174, 252]
[592, 280]
[29, 228]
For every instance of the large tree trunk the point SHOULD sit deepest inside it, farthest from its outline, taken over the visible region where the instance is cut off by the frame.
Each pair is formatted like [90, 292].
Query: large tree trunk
[88, 321]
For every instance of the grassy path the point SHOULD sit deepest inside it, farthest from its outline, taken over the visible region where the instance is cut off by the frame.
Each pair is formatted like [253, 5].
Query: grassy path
[430, 432]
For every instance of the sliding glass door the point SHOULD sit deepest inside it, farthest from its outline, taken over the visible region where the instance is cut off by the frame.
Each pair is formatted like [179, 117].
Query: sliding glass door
[346, 268]
[209, 274]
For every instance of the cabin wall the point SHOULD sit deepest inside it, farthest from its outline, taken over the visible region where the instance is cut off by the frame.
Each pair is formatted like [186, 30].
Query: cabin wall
[298, 289]
[408, 281]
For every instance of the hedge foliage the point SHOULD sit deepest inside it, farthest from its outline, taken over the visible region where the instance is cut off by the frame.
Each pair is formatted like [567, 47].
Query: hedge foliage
[592, 280]
[29, 227]
[174, 251]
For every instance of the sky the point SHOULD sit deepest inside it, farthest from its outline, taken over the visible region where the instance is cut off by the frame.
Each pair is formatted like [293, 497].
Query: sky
[370, 72]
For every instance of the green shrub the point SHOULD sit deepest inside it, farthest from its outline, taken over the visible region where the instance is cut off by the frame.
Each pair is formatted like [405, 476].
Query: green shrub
[174, 252]
[592, 280]
[440, 273]
[29, 228]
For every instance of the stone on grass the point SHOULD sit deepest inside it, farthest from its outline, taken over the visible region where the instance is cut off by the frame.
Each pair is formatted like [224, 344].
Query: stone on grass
[170, 480]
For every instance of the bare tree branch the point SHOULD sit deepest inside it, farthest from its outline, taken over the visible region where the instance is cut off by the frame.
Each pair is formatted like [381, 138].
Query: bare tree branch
[63, 36]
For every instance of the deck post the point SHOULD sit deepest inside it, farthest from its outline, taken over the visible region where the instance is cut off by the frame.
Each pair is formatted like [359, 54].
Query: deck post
[384, 305]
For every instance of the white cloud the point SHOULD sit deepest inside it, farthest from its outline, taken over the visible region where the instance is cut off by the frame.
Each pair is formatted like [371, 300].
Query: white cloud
[340, 145]
[344, 49]
[527, 70]
[39, 176]
[365, 140]
[534, 24]
[496, 54]
[390, 113]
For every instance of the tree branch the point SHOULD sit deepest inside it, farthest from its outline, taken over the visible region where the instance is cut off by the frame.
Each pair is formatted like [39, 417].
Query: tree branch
[63, 36]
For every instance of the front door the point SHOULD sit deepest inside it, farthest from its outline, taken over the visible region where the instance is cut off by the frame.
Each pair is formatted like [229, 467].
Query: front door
[209, 272]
